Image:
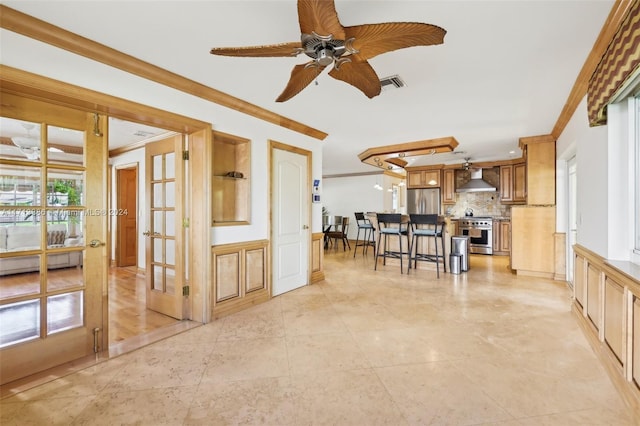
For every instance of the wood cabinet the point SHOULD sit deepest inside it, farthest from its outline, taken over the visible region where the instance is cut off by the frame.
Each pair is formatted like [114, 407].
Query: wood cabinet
[423, 178]
[540, 154]
[513, 189]
[532, 240]
[448, 186]
[501, 237]
[231, 189]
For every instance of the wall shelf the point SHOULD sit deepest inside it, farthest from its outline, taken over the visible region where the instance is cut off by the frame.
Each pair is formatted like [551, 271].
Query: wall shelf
[230, 195]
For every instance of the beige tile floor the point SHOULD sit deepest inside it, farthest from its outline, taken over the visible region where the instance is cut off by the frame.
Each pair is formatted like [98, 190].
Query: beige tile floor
[360, 348]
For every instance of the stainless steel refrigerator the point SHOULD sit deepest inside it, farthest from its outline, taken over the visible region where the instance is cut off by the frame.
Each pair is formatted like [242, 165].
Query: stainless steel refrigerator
[423, 201]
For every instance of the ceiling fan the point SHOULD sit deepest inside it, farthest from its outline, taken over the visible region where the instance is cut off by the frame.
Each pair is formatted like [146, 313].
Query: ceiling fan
[466, 165]
[327, 42]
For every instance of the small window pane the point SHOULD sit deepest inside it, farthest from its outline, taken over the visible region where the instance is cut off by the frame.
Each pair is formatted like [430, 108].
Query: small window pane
[64, 270]
[20, 276]
[170, 194]
[158, 278]
[157, 250]
[157, 167]
[170, 165]
[21, 237]
[19, 322]
[170, 277]
[158, 222]
[19, 186]
[157, 195]
[64, 311]
[25, 140]
[65, 188]
[65, 146]
[170, 227]
[170, 255]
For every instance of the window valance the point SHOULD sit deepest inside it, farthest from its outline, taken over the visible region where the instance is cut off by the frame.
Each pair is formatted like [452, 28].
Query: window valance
[619, 62]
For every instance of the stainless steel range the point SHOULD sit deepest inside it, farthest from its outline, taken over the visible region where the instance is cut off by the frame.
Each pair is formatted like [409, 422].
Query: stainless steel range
[480, 232]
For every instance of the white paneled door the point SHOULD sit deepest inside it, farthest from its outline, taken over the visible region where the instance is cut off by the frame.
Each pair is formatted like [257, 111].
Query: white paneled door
[290, 220]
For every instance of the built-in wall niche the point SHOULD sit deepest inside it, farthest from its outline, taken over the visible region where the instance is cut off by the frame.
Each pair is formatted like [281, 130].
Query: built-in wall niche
[231, 180]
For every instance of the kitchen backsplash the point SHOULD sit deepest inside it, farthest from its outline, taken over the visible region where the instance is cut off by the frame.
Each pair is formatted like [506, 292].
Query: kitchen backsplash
[482, 204]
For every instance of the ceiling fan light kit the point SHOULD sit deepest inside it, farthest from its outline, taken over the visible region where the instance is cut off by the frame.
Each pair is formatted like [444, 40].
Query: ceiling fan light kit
[327, 42]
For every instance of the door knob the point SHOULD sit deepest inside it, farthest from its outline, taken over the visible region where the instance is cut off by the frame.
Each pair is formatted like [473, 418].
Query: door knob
[146, 233]
[96, 243]
[305, 226]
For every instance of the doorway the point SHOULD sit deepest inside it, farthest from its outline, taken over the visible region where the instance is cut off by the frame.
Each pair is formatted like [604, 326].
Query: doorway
[136, 223]
[572, 182]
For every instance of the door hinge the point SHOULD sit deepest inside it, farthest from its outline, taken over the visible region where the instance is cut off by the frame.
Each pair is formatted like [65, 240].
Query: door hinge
[185, 290]
[185, 155]
[185, 222]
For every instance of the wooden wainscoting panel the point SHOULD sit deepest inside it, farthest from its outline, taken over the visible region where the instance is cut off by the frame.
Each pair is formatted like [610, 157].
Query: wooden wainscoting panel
[227, 276]
[255, 271]
[317, 257]
[593, 295]
[635, 342]
[614, 329]
[579, 280]
[241, 268]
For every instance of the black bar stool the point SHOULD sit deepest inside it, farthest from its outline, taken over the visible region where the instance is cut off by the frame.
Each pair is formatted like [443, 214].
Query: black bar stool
[427, 225]
[368, 238]
[391, 224]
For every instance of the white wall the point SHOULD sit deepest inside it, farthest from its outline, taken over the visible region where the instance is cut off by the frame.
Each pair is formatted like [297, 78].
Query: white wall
[591, 171]
[603, 184]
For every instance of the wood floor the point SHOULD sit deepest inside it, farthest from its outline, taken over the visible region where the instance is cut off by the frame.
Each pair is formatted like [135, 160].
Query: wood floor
[128, 315]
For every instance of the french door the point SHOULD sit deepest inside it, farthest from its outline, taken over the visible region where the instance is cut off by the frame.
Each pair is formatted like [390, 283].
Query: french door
[53, 228]
[164, 235]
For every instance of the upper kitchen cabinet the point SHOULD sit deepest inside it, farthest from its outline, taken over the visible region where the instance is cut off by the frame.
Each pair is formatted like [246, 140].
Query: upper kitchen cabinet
[448, 186]
[540, 154]
[513, 178]
[231, 187]
[423, 178]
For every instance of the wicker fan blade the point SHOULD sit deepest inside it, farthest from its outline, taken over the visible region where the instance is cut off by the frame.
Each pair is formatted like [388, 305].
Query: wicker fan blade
[281, 49]
[320, 16]
[301, 76]
[360, 75]
[374, 39]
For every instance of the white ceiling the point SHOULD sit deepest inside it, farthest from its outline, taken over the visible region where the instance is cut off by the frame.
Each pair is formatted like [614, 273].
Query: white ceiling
[504, 71]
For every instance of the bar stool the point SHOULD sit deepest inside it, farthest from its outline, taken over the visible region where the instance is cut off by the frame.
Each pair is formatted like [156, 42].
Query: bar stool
[391, 224]
[426, 225]
[368, 238]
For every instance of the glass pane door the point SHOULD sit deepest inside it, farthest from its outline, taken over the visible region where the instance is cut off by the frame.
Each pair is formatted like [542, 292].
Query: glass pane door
[164, 237]
[44, 296]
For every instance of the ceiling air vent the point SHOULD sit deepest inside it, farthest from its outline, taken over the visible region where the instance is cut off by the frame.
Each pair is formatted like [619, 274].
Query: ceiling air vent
[393, 82]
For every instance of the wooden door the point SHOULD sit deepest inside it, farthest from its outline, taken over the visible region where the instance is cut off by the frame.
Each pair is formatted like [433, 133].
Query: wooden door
[127, 214]
[164, 235]
[54, 229]
[290, 220]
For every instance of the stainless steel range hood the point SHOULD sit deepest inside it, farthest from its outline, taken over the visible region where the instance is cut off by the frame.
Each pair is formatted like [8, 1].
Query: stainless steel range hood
[476, 184]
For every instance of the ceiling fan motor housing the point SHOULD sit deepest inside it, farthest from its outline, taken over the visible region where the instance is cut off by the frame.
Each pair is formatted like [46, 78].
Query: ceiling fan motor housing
[323, 49]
